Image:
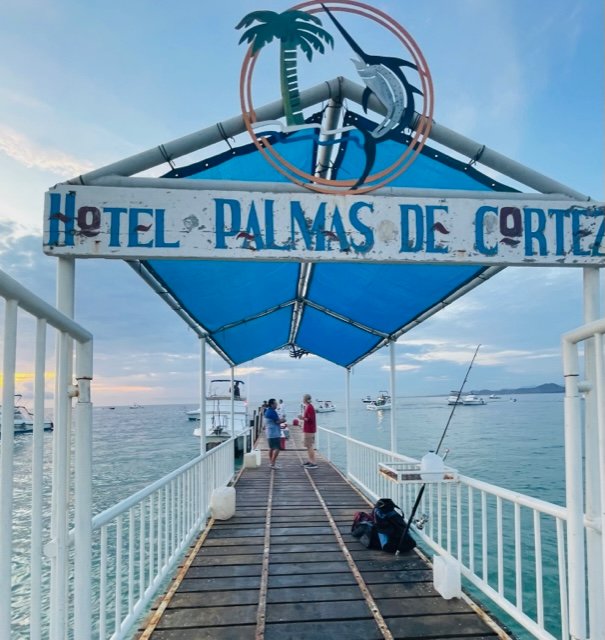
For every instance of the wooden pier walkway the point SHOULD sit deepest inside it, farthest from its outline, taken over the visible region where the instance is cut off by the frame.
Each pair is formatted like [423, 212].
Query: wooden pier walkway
[286, 567]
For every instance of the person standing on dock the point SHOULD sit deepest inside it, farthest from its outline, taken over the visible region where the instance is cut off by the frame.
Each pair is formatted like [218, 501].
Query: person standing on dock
[281, 411]
[273, 432]
[309, 430]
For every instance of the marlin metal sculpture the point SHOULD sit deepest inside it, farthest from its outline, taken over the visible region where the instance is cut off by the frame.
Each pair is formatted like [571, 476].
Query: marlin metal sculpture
[383, 77]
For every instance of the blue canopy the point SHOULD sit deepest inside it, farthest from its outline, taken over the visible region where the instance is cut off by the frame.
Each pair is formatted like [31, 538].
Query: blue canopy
[346, 310]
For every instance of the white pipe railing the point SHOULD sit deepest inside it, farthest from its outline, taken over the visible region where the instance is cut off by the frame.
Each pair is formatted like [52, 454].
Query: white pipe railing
[507, 543]
[29, 553]
[138, 542]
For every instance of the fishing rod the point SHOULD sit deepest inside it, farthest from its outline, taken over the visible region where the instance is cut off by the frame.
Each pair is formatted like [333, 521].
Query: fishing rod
[447, 424]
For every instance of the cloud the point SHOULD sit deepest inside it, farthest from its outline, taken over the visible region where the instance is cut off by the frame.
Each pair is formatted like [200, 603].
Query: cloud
[401, 367]
[34, 156]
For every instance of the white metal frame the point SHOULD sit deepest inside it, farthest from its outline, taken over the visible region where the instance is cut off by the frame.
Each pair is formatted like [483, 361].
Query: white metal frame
[481, 525]
[41, 542]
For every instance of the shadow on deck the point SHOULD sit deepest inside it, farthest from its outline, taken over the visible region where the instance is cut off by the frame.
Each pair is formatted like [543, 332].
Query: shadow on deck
[286, 567]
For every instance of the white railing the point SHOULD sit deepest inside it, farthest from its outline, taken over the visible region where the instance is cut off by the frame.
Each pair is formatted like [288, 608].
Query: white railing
[510, 547]
[67, 575]
[138, 542]
[35, 562]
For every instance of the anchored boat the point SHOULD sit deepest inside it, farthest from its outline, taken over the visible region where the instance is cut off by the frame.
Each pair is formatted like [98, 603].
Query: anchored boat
[23, 418]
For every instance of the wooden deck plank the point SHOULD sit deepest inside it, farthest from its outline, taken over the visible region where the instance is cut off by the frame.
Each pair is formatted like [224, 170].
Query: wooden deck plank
[349, 630]
[311, 591]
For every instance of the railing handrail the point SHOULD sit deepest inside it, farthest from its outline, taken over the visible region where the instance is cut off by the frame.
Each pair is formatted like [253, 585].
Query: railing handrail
[543, 506]
[30, 302]
[111, 513]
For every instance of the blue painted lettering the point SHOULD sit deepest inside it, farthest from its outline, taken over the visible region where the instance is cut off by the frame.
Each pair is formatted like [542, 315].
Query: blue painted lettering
[365, 231]
[480, 225]
[535, 223]
[235, 221]
[409, 244]
[577, 234]
[114, 224]
[135, 226]
[253, 232]
[160, 231]
[61, 220]
[431, 227]
[559, 216]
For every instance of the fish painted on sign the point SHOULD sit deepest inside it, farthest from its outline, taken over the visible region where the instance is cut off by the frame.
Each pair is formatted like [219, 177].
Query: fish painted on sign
[383, 77]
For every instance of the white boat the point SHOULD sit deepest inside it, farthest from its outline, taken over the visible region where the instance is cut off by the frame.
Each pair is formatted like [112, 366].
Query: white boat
[324, 406]
[472, 400]
[367, 399]
[380, 403]
[454, 398]
[24, 419]
[493, 396]
[218, 412]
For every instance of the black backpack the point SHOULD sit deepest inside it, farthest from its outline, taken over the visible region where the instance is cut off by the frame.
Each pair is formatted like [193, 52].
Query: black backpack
[390, 525]
[364, 529]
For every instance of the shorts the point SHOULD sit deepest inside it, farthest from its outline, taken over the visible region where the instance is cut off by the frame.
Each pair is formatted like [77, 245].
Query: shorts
[273, 443]
[308, 439]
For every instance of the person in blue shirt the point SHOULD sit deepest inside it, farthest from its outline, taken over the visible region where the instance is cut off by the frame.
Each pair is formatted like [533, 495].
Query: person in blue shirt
[273, 432]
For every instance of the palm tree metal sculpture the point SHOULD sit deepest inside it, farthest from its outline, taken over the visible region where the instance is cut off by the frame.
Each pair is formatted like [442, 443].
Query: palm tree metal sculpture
[294, 29]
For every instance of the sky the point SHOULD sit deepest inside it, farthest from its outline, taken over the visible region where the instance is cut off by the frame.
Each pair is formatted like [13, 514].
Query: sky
[87, 84]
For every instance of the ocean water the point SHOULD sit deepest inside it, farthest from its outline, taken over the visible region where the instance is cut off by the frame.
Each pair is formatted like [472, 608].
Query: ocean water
[517, 445]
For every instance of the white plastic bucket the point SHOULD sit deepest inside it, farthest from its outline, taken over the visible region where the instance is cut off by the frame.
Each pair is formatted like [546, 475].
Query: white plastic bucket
[446, 577]
[431, 467]
[222, 503]
[257, 454]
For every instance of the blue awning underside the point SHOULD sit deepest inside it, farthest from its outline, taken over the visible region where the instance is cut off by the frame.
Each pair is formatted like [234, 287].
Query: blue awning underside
[347, 310]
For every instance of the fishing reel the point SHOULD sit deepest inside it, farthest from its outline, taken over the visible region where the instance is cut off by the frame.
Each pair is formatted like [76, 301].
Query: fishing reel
[421, 520]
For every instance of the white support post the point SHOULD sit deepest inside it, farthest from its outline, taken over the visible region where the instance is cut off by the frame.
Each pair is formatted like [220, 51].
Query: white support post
[7, 443]
[202, 394]
[61, 441]
[393, 431]
[348, 415]
[599, 632]
[574, 495]
[83, 495]
[592, 473]
[232, 402]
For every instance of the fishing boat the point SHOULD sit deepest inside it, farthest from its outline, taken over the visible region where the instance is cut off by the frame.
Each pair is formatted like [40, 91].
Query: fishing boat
[382, 402]
[471, 400]
[23, 418]
[219, 426]
[324, 406]
[454, 398]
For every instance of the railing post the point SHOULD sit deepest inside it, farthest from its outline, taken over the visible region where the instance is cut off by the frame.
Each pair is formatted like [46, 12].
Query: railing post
[83, 495]
[594, 557]
[348, 417]
[574, 494]
[7, 441]
[202, 394]
[393, 391]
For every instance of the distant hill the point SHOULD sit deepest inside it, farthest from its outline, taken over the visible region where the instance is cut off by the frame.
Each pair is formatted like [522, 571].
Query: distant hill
[549, 387]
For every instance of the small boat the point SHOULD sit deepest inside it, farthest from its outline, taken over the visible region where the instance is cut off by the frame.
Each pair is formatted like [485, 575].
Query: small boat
[367, 399]
[472, 400]
[24, 419]
[324, 406]
[493, 396]
[136, 406]
[454, 398]
[380, 403]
